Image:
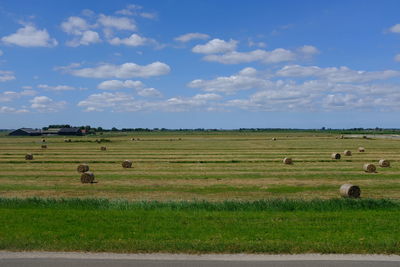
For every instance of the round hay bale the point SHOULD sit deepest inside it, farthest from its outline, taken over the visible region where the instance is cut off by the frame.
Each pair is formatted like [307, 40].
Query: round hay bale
[361, 149]
[43, 140]
[87, 177]
[29, 156]
[384, 163]
[273, 139]
[82, 167]
[287, 161]
[368, 167]
[347, 153]
[127, 164]
[132, 139]
[349, 190]
[44, 146]
[335, 156]
[67, 140]
[103, 148]
[342, 136]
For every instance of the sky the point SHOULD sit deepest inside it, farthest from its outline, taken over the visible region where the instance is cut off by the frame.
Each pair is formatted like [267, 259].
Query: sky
[200, 64]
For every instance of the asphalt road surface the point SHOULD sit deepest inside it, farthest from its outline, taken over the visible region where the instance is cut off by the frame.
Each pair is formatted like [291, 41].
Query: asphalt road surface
[47, 259]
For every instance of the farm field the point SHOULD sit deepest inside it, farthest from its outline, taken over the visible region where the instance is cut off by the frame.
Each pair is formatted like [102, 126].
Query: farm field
[211, 192]
[211, 166]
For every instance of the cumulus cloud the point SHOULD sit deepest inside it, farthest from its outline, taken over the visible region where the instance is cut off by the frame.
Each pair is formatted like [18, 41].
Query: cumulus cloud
[148, 15]
[98, 102]
[117, 84]
[395, 28]
[124, 71]
[122, 102]
[46, 104]
[30, 36]
[341, 74]
[135, 10]
[119, 23]
[6, 109]
[8, 96]
[130, 10]
[215, 46]
[86, 38]
[133, 40]
[58, 87]
[234, 57]
[75, 25]
[78, 27]
[149, 92]
[6, 76]
[308, 50]
[244, 80]
[192, 36]
[318, 89]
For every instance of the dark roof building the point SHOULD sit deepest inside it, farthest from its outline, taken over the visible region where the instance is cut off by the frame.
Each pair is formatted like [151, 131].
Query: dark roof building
[70, 131]
[26, 132]
[51, 131]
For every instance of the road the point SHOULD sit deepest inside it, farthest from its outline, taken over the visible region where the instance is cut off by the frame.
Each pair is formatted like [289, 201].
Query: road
[47, 259]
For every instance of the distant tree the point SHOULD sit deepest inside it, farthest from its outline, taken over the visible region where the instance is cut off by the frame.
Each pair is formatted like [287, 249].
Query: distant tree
[114, 129]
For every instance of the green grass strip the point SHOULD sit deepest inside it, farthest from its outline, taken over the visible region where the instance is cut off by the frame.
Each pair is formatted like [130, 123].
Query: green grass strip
[259, 205]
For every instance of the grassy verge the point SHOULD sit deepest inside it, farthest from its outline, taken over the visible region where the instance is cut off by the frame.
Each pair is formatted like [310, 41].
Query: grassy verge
[265, 226]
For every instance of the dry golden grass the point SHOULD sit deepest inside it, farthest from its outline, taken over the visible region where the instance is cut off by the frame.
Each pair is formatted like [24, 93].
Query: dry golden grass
[200, 166]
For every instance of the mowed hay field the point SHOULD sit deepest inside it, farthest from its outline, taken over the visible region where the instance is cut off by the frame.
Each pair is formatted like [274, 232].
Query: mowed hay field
[210, 166]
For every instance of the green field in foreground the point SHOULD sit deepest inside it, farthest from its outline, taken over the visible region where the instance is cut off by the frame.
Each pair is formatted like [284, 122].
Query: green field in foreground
[212, 166]
[269, 226]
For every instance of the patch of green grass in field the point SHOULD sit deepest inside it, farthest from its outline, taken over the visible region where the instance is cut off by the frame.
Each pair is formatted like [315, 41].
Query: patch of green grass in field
[275, 226]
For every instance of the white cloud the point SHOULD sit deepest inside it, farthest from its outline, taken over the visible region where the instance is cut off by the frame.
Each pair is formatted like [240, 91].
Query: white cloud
[117, 84]
[98, 102]
[244, 80]
[327, 89]
[192, 36]
[397, 58]
[46, 104]
[251, 43]
[58, 87]
[133, 40]
[341, 74]
[215, 46]
[29, 36]
[234, 57]
[149, 92]
[8, 96]
[122, 102]
[130, 10]
[75, 25]
[126, 70]
[309, 50]
[148, 15]
[87, 38]
[6, 76]
[395, 28]
[119, 23]
[81, 30]
[5, 109]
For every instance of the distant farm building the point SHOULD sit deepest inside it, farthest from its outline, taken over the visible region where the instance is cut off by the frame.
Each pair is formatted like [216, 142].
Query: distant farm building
[70, 131]
[26, 132]
[50, 131]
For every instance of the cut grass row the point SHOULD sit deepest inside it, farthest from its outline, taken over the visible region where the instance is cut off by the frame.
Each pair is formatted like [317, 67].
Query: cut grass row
[247, 160]
[274, 226]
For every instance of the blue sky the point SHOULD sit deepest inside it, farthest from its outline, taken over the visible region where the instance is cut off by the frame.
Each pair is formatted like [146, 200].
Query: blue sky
[200, 64]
